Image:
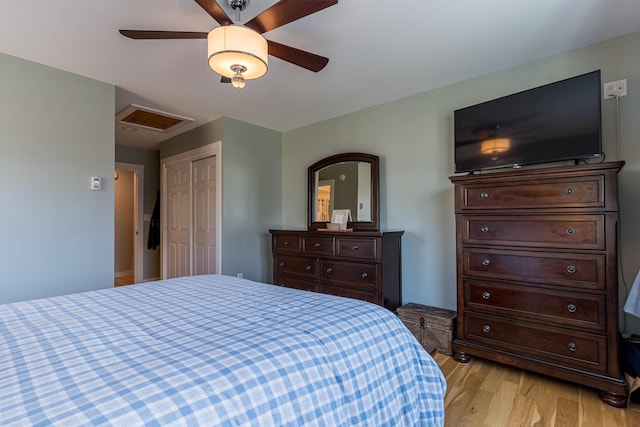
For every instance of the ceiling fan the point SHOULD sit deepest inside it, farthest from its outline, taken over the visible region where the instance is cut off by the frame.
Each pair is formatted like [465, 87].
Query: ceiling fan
[224, 41]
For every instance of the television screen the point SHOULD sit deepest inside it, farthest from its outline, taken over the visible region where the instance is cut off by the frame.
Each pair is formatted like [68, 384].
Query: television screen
[558, 121]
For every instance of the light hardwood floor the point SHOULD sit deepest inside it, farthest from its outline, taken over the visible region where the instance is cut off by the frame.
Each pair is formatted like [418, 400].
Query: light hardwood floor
[123, 281]
[486, 394]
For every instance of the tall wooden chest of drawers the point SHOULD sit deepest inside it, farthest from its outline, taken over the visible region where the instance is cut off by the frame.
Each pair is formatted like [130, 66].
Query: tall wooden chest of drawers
[360, 265]
[537, 272]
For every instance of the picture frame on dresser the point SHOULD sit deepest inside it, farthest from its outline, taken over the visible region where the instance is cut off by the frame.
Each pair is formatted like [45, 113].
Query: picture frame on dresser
[342, 217]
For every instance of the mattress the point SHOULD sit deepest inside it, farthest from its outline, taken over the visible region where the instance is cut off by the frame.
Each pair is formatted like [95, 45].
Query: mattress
[212, 350]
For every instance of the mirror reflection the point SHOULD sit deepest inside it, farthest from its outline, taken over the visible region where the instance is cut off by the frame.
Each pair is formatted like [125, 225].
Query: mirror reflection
[345, 185]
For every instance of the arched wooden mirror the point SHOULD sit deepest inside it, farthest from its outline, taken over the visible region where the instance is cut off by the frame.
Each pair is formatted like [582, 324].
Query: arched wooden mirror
[345, 181]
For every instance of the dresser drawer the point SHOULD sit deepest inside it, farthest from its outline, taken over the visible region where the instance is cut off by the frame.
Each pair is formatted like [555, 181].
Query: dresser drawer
[585, 271]
[560, 231]
[579, 192]
[301, 284]
[360, 275]
[348, 292]
[570, 308]
[297, 266]
[318, 246]
[357, 248]
[571, 348]
[286, 244]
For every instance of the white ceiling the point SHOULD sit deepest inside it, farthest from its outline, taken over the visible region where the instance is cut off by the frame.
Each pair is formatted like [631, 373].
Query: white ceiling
[379, 50]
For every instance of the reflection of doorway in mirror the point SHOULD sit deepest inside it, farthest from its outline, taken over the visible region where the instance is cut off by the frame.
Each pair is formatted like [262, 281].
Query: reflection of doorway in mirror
[324, 205]
[364, 192]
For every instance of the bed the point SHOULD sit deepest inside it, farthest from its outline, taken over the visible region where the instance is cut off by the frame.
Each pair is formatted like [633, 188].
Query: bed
[212, 350]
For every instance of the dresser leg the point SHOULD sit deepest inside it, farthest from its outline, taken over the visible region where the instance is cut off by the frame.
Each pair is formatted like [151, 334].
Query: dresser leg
[615, 400]
[461, 357]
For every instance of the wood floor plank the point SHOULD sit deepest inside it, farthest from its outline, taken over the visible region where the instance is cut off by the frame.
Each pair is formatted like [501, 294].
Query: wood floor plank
[502, 405]
[567, 413]
[590, 409]
[487, 394]
[524, 412]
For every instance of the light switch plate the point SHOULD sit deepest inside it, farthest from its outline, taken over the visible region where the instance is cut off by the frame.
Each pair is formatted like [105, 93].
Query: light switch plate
[96, 183]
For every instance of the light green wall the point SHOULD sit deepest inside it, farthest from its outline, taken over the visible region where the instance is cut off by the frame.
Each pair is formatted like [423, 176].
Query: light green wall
[56, 131]
[251, 190]
[414, 139]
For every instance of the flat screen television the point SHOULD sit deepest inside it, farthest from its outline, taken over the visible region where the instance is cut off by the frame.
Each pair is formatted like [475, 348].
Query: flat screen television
[555, 122]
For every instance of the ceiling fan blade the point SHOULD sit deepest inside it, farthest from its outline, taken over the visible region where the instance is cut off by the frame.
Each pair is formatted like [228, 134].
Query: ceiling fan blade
[216, 12]
[310, 61]
[162, 35]
[286, 11]
[224, 79]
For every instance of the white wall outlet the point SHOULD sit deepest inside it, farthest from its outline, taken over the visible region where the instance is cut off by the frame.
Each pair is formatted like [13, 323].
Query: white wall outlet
[240, 275]
[615, 89]
[96, 183]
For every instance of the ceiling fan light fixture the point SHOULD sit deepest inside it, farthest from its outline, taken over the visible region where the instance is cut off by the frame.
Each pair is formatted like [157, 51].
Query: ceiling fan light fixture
[231, 45]
[238, 80]
[495, 145]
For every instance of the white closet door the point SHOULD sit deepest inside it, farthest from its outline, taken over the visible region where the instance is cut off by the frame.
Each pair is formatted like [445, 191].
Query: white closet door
[204, 218]
[178, 233]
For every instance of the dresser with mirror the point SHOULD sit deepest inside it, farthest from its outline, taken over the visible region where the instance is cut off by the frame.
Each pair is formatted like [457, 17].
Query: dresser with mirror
[359, 262]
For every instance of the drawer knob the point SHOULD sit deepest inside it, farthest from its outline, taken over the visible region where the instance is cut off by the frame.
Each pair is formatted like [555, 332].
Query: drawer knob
[329, 270]
[571, 230]
[569, 190]
[486, 329]
[364, 275]
[355, 247]
[308, 268]
[486, 262]
[572, 346]
[572, 308]
[287, 243]
[316, 245]
[486, 295]
[282, 264]
[484, 229]
[571, 269]
[484, 195]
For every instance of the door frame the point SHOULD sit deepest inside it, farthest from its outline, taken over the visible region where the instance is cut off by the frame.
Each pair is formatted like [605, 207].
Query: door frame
[138, 216]
[212, 149]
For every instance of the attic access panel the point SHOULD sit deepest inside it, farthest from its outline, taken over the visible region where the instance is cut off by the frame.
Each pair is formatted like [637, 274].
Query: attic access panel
[150, 118]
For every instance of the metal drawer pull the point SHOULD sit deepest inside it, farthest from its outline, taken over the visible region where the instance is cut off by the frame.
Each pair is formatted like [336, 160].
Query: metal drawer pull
[309, 268]
[486, 329]
[572, 346]
[486, 262]
[282, 264]
[484, 229]
[572, 308]
[568, 190]
[484, 195]
[364, 275]
[571, 269]
[329, 270]
[287, 243]
[355, 247]
[486, 295]
[317, 245]
[571, 230]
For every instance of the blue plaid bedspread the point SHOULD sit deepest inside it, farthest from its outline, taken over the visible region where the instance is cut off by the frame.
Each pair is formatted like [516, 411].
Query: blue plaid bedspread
[212, 351]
